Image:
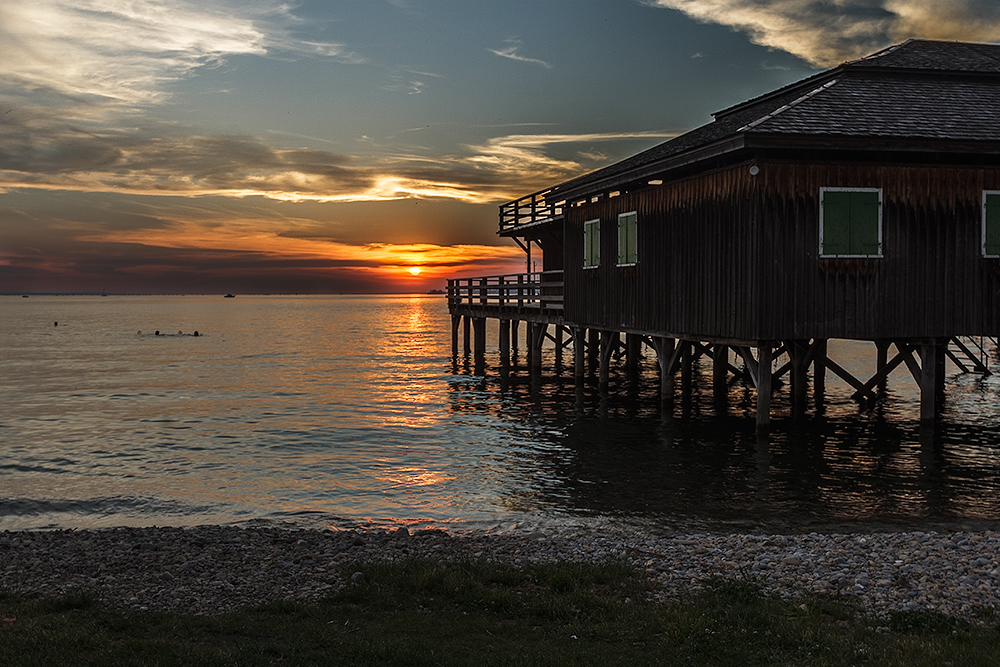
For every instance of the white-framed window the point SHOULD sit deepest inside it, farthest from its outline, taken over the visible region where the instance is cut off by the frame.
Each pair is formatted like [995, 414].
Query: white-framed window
[591, 244]
[627, 252]
[991, 223]
[850, 222]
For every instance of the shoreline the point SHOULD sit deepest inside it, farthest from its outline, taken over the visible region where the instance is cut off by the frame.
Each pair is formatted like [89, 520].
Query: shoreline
[213, 569]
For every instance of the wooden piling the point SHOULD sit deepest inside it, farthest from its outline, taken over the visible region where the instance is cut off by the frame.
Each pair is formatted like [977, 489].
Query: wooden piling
[764, 353]
[798, 354]
[579, 352]
[609, 343]
[467, 335]
[633, 349]
[479, 355]
[503, 339]
[594, 347]
[664, 357]
[819, 372]
[928, 382]
[881, 363]
[720, 375]
[456, 321]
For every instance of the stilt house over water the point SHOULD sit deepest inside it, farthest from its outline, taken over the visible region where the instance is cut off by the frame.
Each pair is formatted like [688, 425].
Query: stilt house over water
[860, 203]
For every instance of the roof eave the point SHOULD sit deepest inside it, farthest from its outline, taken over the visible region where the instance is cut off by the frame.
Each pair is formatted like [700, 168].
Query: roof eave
[652, 170]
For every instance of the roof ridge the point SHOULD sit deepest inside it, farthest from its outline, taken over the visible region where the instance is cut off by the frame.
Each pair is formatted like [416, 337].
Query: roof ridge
[795, 102]
[883, 52]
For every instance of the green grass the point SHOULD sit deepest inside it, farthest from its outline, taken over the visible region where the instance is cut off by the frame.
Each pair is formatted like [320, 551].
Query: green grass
[422, 613]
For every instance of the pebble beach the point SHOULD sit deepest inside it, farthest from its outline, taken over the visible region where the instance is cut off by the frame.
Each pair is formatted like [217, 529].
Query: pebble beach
[215, 569]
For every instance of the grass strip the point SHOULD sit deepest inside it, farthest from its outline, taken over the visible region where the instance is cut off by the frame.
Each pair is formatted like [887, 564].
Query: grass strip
[420, 612]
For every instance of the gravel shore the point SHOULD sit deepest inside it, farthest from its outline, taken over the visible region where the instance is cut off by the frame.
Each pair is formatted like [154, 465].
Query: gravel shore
[213, 569]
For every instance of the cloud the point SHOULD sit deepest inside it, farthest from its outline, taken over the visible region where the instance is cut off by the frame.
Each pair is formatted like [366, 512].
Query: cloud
[511, 52]
[828, 32]
[530, 159]
[125, 53]
[41, 151]
[72, 241]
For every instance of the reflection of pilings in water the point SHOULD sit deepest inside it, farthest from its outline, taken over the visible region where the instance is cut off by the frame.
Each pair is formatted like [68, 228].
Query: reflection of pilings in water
[761, 364]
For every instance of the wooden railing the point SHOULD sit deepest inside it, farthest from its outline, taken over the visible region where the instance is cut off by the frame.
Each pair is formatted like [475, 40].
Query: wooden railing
[528, 209]
[535, 291]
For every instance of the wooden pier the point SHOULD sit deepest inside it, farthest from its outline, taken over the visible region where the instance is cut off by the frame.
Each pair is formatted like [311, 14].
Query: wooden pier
[535, 299]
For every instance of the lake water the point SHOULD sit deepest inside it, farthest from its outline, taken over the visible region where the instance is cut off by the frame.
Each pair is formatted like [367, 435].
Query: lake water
[350, 411]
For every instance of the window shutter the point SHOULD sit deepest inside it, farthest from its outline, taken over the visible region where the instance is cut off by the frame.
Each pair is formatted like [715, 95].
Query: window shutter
[864, 223]
[622, 239]
[591, 243]
[597, 243]
[627, 239]
[836, 223]
[991, 225]
[631, 233]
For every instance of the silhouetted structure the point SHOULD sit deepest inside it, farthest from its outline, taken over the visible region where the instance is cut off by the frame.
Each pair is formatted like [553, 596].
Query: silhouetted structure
[860, 203]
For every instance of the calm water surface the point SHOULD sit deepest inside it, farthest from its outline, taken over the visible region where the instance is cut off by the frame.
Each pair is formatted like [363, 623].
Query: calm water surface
[350, 411]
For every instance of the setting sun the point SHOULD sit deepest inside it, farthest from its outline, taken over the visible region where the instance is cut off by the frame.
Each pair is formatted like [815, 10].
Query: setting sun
[414, 270]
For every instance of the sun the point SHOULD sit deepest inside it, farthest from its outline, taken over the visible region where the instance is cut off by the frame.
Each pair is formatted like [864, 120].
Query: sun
[414, 270]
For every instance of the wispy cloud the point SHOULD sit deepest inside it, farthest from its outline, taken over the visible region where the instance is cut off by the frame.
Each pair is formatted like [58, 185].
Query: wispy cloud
[828, 32]
[42, 154]
[547, 158]
[511, 52]
[127, 52]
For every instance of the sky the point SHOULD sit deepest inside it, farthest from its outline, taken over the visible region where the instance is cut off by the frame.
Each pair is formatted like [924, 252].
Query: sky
[327, 146]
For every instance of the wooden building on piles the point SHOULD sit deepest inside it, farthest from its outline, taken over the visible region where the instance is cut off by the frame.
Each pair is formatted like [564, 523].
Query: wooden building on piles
[860, 203]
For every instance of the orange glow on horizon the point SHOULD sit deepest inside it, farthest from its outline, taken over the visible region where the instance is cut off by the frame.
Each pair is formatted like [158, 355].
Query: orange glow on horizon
[384, 262]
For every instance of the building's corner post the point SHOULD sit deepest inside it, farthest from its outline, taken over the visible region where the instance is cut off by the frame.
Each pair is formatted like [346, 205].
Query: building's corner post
[579, 351]
[720, 375]
[819, 372]
[765, 352]
[504, 343]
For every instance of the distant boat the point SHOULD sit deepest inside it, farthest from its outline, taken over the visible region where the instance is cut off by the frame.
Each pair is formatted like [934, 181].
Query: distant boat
[229, 296]
[24, 296]
[436, 291]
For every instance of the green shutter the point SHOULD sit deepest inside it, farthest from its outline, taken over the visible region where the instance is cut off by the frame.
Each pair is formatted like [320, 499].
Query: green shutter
[631, 231]
[592, 243]
[627, 239]
[836, 223]
[622, 239]
[864, 223]
[991, 225]
[850, 223]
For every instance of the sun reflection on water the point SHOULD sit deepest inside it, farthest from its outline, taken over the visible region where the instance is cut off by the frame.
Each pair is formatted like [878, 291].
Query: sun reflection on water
[352, 407]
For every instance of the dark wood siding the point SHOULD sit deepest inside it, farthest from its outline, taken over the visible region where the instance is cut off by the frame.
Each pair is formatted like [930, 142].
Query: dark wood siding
[727, 255]
[694, 272]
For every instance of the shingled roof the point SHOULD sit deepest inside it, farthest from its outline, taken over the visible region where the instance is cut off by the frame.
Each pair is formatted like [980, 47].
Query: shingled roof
[919, 90]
